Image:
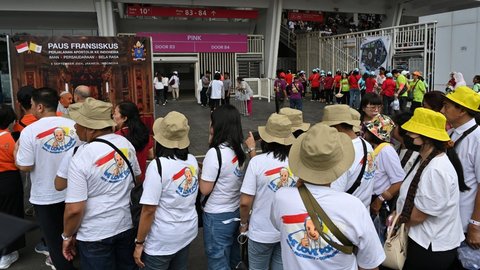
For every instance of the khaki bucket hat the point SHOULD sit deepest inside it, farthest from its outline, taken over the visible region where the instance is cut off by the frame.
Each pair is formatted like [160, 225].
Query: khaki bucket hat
[337, 114]
[172, 130]
[296, 117]
[321, 155]
[93, 114]
[278, 129]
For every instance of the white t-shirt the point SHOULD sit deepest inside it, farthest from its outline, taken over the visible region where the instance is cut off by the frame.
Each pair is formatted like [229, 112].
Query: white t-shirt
[265, 175]
[165, 81]
[225, 196]
[43, 144]
[217, 89]
[438, 197]
[388, 170]
[157, 84]
[365, 189]
[99, 176]
[301, 250]
[175, 224]
[410, 161]
[468, 151]
[176, 80]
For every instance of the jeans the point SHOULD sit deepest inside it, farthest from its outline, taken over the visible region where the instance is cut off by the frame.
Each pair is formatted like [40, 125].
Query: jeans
[296, 104]
[50, 219]
[220, 240]
[111, 253]
[263, 256]
[315, 93]
[177, 261]
[387, 109]
[329, 95]
[354, 98]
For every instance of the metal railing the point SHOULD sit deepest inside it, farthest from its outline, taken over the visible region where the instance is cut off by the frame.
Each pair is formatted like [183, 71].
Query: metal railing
[288, 37]
[255, 44]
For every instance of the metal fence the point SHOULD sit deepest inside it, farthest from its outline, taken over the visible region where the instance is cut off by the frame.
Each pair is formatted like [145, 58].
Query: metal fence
[412, 44]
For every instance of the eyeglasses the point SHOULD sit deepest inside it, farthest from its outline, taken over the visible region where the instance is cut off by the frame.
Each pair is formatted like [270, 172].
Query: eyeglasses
[373, 107]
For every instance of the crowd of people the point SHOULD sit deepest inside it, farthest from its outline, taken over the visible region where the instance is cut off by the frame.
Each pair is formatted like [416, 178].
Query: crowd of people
[307, 196]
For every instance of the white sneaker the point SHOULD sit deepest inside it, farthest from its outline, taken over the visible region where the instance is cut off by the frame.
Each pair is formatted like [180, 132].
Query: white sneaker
[7, 260]
[48, 262]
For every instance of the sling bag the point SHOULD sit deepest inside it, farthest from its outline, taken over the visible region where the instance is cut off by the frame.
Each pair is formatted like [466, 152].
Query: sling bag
[201, 201]
[362, 171]
[315, 212]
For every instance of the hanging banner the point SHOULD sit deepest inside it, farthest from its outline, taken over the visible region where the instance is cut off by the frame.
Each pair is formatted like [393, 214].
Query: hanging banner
[192, 43]
[149, 11]
[374, 53]
[114, 68]
[305, 16]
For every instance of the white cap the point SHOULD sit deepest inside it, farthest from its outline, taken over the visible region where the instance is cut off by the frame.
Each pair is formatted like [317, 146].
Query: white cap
[175, 72]
[405, 72]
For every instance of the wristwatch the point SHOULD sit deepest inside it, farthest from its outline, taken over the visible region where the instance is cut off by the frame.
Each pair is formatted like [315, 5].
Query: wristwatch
[66, 238]
[250, 150]
[139, 242]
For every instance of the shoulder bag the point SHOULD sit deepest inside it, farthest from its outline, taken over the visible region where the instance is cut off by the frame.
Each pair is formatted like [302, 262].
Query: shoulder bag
[362, 171]
[315, 212]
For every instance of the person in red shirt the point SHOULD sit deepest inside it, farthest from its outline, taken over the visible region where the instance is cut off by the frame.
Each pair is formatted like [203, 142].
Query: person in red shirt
[314, 84]
[371, 83]
[329, 88]
[129, 125]
[388, 92]
[289, 77]
[354, 89]
[336, 81]
[24, 99]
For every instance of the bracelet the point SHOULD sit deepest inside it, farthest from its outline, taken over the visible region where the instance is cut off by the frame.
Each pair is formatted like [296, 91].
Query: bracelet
[381, 198]
[250, 150]
[139, 242]
[243, 224]
[474, 222]
[66, 238]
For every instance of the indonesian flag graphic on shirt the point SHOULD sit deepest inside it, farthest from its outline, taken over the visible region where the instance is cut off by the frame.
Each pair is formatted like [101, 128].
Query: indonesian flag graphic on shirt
[56, 140]
[304, 239]
[238, 171]
[186, 181]
[22, 47]
[280, 177]
[115, 168]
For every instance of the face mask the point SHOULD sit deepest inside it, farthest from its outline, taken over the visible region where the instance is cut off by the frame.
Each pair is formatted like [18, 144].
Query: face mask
[408, 142]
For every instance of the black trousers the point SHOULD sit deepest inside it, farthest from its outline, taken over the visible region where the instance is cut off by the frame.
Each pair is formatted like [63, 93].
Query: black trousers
[11, 203]
[50, 219]
[329, 95]
[165, 92]
[214, 103]
[403, 103]
[415, 105]
[203, 96]
[426, 259]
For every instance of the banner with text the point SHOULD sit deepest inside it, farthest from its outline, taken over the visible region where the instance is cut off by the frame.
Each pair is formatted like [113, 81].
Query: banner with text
[193, 43]
[114, 68]
[149, 11]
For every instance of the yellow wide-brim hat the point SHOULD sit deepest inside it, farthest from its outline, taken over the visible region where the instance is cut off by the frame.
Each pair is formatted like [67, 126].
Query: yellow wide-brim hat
[465, 97]
[428, 123]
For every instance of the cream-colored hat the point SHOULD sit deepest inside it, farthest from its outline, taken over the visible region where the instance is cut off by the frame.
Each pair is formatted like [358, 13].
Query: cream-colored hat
[278, 129]
[172, 130]
[321, 155]
[341, 113]
[296, 117]
[93, 114]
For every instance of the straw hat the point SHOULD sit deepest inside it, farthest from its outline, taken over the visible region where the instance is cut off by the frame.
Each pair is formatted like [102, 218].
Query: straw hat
[381, 126]
[339, 95]
[296, 117]
[278, 129]
[465, 97]
[428, 123]
[172, 130]
[341, 113]
[93, 114]
[321, 155]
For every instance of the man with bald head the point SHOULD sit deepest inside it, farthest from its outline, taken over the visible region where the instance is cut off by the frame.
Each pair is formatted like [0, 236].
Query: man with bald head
[81, 93]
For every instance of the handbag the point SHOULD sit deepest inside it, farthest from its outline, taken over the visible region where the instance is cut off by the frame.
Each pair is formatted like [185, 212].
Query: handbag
[395, 246]
[135, 193]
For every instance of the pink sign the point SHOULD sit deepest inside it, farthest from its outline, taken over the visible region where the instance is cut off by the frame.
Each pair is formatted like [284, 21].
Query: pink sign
[188, 43]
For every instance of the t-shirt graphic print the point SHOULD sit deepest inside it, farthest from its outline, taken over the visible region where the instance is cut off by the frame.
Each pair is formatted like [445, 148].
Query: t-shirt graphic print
[304, 239]
[57, 140]
[280, 177]
[114, 168]
[186, 181]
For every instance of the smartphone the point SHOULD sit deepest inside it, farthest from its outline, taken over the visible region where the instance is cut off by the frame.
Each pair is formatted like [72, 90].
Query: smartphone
[256, 135]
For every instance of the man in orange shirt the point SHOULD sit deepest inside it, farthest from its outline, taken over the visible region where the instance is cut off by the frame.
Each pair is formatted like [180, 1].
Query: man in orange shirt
[24, 99]
[336, 81]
